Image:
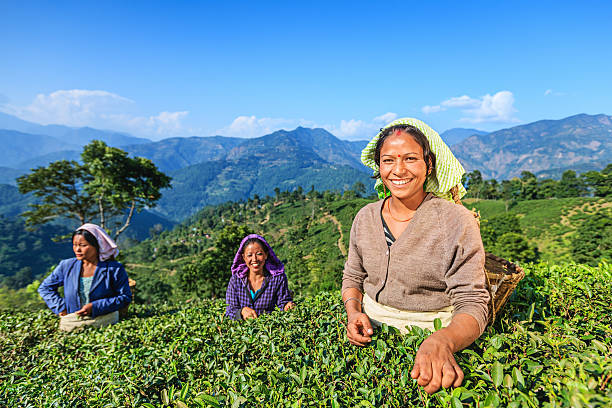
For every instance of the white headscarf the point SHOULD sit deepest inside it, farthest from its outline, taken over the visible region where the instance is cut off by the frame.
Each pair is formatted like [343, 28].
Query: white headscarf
[108, 247]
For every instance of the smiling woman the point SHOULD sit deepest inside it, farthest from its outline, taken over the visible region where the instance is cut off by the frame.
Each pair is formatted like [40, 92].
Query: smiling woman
[258, 283]
[415, 257]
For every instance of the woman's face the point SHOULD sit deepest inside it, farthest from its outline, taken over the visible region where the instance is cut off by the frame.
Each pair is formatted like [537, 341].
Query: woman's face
[83, 250]
[402, 167]
[254, 257]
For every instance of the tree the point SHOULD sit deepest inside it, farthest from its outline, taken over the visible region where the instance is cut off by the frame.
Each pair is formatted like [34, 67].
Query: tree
[592, 241]
[493, 228]
[570, 185]
[547, 188]
[515, 247]
[529, 186]
[600, 183]
[475, 184]
[108, 184]
[208, 276]
[359, 188]
[60, 187]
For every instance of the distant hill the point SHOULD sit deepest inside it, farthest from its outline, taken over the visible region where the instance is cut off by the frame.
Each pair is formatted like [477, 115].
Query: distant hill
[13, 203]
[45, 159]
[216, 182]
[79, 136]
[456, 135]
[8, 175]
[577, 142]
[179, 152]
[18, 146]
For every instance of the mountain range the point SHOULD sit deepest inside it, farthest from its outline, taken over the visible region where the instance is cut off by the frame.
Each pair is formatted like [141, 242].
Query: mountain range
[546, 147]
[210, 170]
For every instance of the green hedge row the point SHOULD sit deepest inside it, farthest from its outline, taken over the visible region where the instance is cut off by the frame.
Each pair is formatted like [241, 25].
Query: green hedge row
[551, 347]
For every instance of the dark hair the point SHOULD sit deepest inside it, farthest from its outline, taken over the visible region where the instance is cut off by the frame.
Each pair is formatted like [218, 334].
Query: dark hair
[255, 241]
[418, 136]
[89, 237]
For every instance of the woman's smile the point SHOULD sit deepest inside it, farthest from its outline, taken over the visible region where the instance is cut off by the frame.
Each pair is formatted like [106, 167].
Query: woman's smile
[400, 182]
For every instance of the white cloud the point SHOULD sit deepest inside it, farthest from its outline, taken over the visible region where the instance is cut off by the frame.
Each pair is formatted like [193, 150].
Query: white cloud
[463, 101]
[98, 109]
[487, 109]
[427, 109]
[355, 129]
[251, 126]
[386, 118]
[553, 93]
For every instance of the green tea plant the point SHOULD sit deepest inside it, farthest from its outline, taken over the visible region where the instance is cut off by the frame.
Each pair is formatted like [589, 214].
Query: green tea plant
[551, 347]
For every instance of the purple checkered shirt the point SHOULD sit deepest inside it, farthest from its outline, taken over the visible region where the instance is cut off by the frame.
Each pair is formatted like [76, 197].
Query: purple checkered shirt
[274, 292]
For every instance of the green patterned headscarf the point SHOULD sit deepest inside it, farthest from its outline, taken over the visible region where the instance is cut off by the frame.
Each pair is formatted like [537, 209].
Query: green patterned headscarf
[448, 169]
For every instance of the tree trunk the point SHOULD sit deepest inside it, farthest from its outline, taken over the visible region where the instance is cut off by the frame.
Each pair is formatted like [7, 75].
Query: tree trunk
[101, 207]
[127, 220]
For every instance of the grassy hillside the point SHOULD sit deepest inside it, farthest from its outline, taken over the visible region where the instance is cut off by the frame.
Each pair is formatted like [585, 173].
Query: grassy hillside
[311, 236]
[551, 347]
[549, 224]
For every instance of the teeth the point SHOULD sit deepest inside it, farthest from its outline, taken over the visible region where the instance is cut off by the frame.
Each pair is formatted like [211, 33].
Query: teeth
[400, 182]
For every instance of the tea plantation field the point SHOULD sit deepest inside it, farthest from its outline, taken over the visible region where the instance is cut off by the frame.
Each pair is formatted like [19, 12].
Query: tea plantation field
[550, 348]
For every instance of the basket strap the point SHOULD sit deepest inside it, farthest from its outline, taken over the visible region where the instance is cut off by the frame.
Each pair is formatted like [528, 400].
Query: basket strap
[455, 193]
[492, 295]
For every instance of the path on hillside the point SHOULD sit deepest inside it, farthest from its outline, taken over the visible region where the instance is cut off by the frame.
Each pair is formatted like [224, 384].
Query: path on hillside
[565, 219]
[339, 226]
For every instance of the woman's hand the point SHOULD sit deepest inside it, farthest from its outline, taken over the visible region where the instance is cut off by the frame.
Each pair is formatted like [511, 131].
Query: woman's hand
[359, 329]
[85, 310]
[248, 313]
[435, 365]
[289, 306]
[63, 313]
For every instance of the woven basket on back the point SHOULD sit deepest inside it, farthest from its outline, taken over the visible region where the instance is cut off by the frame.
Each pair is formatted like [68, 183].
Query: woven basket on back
[502, 276]
[123, 312]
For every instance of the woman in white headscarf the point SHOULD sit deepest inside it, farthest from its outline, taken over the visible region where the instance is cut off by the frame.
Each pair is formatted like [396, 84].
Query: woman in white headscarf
[415, 256]
[95, 285]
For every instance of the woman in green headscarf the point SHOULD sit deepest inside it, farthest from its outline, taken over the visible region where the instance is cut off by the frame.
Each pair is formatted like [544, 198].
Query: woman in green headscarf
[416, 256]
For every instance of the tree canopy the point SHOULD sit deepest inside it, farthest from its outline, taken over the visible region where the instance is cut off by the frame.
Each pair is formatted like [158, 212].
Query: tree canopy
[106, 188]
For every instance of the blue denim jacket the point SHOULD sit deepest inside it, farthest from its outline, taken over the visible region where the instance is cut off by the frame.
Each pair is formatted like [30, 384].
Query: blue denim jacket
[109, 291]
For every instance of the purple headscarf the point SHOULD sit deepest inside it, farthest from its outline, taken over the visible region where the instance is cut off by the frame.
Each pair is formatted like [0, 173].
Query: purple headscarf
[273, 264]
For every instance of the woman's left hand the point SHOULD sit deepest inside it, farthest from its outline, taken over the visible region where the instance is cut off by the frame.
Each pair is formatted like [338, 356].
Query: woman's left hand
[289, 306]
[435, 365]
[85, 310]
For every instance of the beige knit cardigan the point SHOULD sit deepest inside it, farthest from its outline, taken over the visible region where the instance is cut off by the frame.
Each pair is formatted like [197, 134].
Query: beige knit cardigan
[436, 262]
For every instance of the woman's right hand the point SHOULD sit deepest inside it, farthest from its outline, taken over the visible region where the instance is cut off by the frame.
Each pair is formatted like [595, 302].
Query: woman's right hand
[248, 313]
[63, 313]
[359, 329]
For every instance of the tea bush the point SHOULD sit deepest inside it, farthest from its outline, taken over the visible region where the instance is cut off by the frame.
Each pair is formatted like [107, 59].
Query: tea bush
[551, 347]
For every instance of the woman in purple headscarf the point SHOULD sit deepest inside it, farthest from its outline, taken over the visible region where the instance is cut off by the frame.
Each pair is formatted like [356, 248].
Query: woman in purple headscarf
[258, 283]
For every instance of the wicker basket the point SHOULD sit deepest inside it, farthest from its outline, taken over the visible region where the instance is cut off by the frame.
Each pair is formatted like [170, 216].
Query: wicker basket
[502, 276]
[124, 310]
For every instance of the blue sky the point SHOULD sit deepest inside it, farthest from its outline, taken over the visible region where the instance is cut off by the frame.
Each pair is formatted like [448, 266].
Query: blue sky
[246, 68]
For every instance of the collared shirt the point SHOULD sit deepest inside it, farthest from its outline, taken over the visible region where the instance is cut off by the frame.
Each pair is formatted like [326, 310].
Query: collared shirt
[109, 291]
[274, 292]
